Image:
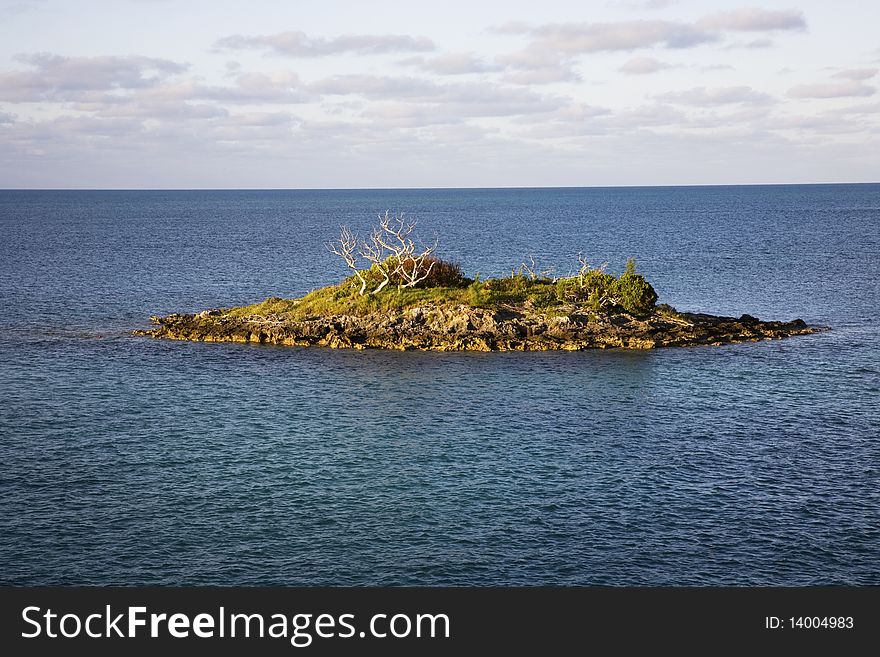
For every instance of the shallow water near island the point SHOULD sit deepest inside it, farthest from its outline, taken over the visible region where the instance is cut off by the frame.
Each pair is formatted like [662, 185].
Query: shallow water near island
[127, 460]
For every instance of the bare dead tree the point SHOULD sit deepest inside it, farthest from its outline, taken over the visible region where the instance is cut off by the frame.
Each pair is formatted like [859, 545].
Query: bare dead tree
[345, 246]
[585, 266]
[394, 236]
[390, 251]
[533, 272]
[529, 270]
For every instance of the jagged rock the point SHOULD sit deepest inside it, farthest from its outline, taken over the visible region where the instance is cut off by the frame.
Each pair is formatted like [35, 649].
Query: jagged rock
[463, 328]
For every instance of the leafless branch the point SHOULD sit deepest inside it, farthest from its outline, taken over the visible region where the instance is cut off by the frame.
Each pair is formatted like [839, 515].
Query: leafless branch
[412, 267]
[374, 252]
[533, 272]
[345, 246]
[585, 266]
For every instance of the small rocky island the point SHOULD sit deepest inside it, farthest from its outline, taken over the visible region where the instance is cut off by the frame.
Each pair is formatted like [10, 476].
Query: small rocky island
[401, 297]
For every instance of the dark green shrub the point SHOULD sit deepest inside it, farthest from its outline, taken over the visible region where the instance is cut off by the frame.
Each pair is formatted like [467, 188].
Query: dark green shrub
[634, 294]
[603, 292]
[594, 286]
[598, 283]
[543, 296]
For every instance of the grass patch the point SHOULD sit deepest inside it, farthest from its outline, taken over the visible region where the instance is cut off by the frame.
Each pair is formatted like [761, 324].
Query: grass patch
[343, 299]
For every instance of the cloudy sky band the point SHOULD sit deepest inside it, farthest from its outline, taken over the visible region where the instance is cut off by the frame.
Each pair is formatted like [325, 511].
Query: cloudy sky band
[522, 99]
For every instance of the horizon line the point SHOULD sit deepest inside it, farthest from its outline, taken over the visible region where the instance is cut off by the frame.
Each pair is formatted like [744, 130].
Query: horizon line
[414, 188]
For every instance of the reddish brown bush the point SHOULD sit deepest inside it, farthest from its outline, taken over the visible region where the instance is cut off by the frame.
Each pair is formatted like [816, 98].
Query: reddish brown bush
[443, 274]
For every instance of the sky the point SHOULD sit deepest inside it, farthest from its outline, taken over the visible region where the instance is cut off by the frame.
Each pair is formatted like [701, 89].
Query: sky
[144, 94]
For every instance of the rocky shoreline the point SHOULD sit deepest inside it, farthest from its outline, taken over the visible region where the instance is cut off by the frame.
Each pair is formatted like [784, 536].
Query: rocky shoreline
[438, 327]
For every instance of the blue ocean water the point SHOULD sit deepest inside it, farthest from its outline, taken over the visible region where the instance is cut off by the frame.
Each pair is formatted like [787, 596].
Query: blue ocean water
[126, 460]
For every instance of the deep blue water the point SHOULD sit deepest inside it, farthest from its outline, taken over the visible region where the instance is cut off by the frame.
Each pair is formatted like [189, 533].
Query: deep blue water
[125, 460]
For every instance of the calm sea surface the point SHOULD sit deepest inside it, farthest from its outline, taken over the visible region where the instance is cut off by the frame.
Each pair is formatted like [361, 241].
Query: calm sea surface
[125, 460]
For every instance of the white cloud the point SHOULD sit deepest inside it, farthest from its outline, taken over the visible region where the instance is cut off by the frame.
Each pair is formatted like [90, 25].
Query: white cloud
[439, 102]
[160, 111]
[88, 126]
[261, 119]
[454, 63]
[279, 87]
[642, 66]
[649, 4]
[542, 75]
[536, 65]
[857, 73]
[622, 35]
[831, 90]
[68, 78]
[585, 120]
[870, 108]
[657, 115]
[580, 112]
[22, 7]
[825, 124]
[551, 54]
[554, 45]
[511, 27]
[754, 19]
[374, 86]
[299, 44]
[410, 115]
[703, 97]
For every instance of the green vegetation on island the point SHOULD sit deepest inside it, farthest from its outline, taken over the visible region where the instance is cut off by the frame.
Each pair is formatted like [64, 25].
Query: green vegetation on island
[390, 274]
